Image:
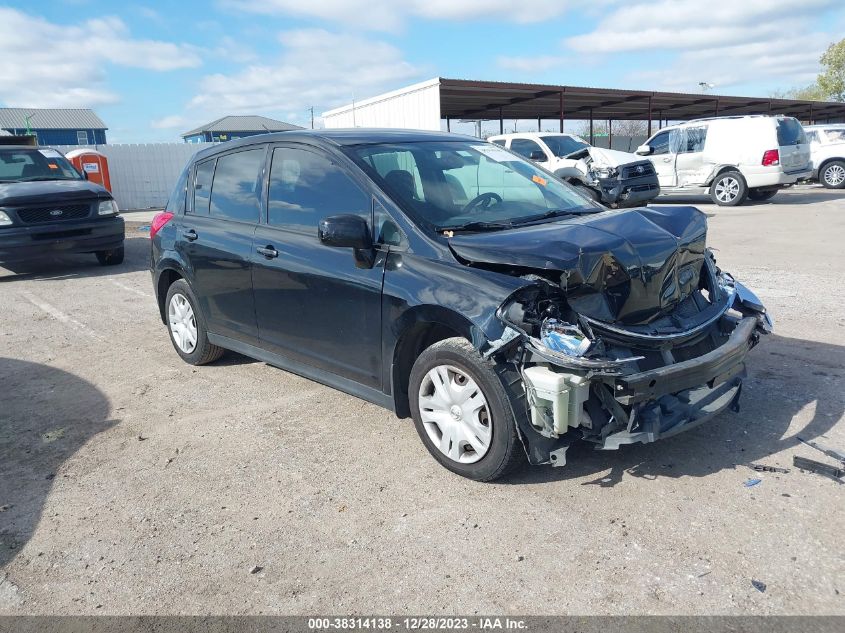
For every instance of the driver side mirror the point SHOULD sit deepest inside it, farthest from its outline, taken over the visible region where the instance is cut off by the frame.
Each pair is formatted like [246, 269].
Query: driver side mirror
[538, 156]
[644, 150]
[349, 231]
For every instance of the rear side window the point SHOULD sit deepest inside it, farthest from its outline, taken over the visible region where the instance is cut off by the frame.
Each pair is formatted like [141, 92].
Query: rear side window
[235, 194]
[176, 202]
[202, 187]
[836, 135]
[306, 187]
[790, 132]
[693, 140]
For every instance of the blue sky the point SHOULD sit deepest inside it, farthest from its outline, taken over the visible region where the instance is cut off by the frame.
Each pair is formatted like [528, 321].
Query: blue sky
[155, 69]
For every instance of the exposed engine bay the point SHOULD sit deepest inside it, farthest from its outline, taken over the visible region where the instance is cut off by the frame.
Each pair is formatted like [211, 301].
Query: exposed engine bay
[623, 345]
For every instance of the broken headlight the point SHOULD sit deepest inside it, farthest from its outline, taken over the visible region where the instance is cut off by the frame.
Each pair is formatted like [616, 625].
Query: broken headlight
[605, 172]
[561, 336]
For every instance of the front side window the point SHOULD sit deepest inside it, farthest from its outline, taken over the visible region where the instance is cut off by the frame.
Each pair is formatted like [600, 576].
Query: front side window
[202, 186]
[525, 147]
[20, 165]
[306, 187]
[563, 146]
[236, 190]
[456, 184]
[660, 143]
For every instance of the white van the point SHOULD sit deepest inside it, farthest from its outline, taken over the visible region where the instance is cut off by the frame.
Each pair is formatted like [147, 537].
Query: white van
[730, 158]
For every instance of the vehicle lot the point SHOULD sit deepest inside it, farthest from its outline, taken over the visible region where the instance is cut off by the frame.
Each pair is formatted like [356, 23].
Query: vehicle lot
[134, 483]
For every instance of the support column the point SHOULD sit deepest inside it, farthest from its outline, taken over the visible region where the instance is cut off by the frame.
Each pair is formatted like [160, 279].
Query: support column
[501, 122]
[610, 134]
[448, 126]
[591, 127]
[649, 116]
[561, 110]
[717, 106]
[539, 124]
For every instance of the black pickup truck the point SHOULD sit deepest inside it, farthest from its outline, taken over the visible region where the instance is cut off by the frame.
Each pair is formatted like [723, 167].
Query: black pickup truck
[47, 208]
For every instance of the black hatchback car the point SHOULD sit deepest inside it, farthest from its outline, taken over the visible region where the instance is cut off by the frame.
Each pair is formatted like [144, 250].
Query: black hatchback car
[47, 208]
[450, 280]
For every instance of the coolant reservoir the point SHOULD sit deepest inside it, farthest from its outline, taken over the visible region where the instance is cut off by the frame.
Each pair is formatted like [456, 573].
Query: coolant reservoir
[555, 396]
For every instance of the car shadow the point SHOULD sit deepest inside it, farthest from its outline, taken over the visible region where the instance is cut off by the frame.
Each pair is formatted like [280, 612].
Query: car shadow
[802, 195]
[137, 257]
[46, 415]
[785, 376]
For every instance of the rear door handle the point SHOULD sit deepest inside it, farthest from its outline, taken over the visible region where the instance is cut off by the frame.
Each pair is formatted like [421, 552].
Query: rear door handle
[268, 251]
[190, 235]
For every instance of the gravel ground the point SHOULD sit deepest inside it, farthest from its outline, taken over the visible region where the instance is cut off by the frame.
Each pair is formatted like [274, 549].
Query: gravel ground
[132, 483]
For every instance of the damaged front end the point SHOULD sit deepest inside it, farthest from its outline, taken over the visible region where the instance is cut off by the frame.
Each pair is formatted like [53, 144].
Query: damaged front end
[615, 381]
[621, 179]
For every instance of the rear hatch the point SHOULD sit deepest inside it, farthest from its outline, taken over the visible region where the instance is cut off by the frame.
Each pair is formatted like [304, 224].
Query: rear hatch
[792, 145]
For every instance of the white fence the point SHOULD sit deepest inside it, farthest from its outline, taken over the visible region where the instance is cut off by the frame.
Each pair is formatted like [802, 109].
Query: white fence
[143, 176]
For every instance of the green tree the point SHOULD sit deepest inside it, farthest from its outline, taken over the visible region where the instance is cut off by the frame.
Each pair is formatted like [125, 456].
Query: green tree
[831, 81]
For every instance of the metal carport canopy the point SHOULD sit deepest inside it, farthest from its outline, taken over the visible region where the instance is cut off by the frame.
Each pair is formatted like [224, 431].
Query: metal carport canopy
[493, 100]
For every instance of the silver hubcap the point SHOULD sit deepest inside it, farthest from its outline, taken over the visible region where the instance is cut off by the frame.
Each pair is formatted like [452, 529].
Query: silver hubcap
[183, 325]
[455, 415]
[834, 175]
[727, 189]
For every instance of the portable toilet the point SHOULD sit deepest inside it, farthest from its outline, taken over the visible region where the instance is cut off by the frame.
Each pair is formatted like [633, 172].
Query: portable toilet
[92, 163]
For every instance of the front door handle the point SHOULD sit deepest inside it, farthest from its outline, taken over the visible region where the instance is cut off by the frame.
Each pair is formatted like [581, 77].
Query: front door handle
[268, 251]
[667, 160]
[190, 235]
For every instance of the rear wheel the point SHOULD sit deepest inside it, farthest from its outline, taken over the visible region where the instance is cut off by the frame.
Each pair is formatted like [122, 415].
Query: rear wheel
[187, 328]
[462, 413]
[832, 175]
[110, 258]
[759, 195]
[728, 189]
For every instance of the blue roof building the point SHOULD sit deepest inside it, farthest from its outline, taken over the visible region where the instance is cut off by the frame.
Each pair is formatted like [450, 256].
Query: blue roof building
[232, 127]
[55, 126]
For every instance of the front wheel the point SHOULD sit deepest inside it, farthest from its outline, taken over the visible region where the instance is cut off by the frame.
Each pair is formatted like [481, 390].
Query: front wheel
[462, 413]
[760, 195]
[110, 258]
[728, 189]
[832, 175]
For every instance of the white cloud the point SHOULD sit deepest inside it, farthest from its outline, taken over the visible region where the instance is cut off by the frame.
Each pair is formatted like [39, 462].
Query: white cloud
[316, 68]
[172, 122]
[726, 42]
[43, 64]
[391, 15]
[690, 24]
[533, 64]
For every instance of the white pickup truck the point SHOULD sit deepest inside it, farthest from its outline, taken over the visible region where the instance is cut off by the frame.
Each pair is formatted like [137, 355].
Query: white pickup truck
[616, 179]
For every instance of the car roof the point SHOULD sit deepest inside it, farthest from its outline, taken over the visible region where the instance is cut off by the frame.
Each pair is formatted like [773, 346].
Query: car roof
[340, 137]
[530, 134]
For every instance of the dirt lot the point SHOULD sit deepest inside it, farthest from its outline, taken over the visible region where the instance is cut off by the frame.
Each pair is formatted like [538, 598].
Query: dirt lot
[131, 482]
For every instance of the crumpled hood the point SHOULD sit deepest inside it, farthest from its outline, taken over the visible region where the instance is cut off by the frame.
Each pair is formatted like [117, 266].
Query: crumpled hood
[627, 266]
[49, 192]
[607, 157]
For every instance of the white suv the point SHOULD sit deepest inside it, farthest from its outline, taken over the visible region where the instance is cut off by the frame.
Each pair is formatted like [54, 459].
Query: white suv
[730, 158]
[617, 179]
[827, 152]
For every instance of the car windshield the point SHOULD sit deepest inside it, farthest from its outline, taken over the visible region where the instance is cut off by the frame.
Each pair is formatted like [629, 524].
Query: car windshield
[22, 165]
[466, 185]
[564, 145]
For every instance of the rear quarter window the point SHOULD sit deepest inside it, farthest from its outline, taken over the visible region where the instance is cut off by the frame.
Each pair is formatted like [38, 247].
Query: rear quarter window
[790, 132]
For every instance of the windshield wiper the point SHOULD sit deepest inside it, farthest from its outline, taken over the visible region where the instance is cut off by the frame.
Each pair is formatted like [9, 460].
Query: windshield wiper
[553, 213]
[475, 226]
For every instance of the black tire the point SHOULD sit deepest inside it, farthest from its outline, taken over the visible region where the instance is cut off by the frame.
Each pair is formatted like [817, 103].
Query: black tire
[732, 183]
[760, 195]
[203, 352]
[505, 450]
[110, 258]
[832, 174]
